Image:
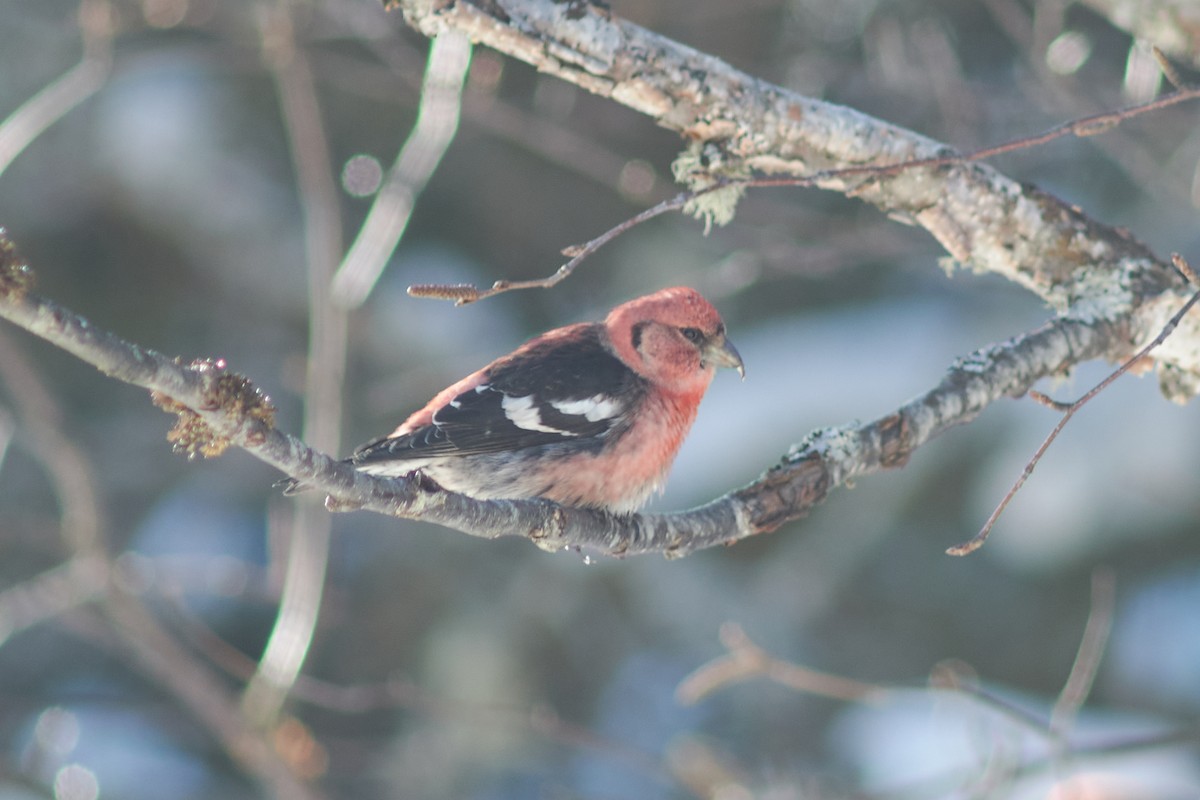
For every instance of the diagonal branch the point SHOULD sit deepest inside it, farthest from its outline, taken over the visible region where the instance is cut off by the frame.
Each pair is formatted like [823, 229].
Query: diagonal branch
[88, 576]
[738, 126]
[1110, 292]
[218, 408]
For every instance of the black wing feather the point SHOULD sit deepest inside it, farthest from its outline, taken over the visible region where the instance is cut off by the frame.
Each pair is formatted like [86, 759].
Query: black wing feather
[551, 371]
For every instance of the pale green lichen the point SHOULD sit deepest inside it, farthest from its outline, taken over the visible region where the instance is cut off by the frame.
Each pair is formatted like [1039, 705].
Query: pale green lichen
[702, 168]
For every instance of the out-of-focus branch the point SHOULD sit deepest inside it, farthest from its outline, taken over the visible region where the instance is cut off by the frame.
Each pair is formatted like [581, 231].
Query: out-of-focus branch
[307, 551]
[1111, 293]
[1171, 25]
[745, 660]
[398, 692]
[1091, 649]
[74, 86]
[51, 593]
[738, 126]
[217, 409]
[437, 122]
[68, 469]
[87, 576]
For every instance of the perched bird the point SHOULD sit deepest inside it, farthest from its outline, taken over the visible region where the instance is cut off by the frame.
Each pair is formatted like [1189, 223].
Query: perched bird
[587, 415]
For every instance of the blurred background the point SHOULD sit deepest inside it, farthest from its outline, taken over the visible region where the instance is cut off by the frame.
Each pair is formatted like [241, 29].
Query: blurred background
[208, 160]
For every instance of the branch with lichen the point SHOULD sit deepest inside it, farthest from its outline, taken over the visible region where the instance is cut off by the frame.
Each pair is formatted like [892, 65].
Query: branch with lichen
[736, 125]
[1111, 294]
[217, 409]
[90, 576]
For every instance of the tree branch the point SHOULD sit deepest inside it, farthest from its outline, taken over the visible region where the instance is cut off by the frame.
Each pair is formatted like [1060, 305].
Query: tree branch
[1111, 293]
[739, 126]
[218, 408]
[87, 576]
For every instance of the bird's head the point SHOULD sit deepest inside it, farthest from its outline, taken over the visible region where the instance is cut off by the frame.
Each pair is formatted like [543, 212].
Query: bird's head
[674, 338]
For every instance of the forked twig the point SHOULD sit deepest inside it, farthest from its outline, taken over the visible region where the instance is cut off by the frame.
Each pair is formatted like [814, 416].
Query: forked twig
[462, 294]
[1092, 125]
[1070, 409]
[1084, 127]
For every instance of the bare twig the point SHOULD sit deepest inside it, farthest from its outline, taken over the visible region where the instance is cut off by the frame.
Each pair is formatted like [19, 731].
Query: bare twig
[1084, 127]
[217, 407]
[970, 546]
[462, 294]
[1048, 402]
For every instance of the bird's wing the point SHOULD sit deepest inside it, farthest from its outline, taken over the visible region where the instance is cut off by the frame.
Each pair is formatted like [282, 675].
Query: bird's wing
[567, 390]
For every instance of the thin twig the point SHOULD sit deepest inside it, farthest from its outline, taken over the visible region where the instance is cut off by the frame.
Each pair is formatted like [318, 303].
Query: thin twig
[1088, 126]
[961, 679]
[973, 544]
[462, 294]
[1083, 127]
[1049, 402]
[217, 408]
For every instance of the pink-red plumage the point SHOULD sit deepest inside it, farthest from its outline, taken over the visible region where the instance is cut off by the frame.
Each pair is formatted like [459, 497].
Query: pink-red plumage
[587, 415]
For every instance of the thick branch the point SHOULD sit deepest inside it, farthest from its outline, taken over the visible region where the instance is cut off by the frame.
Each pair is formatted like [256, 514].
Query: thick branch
[218, 406]
[88, 575]
[740, 125]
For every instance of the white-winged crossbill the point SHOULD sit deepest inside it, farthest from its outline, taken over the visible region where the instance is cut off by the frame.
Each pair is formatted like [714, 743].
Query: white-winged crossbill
[587, 415]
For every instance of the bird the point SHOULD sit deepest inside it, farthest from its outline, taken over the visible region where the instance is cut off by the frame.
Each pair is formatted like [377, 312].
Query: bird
[590, 415]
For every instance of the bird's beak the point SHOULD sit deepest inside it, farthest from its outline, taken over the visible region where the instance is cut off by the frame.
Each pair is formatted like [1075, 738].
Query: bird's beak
[721, 352]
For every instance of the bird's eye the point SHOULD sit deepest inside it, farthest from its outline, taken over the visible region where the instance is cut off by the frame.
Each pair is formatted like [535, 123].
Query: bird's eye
[635, 336]
[693, 335]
